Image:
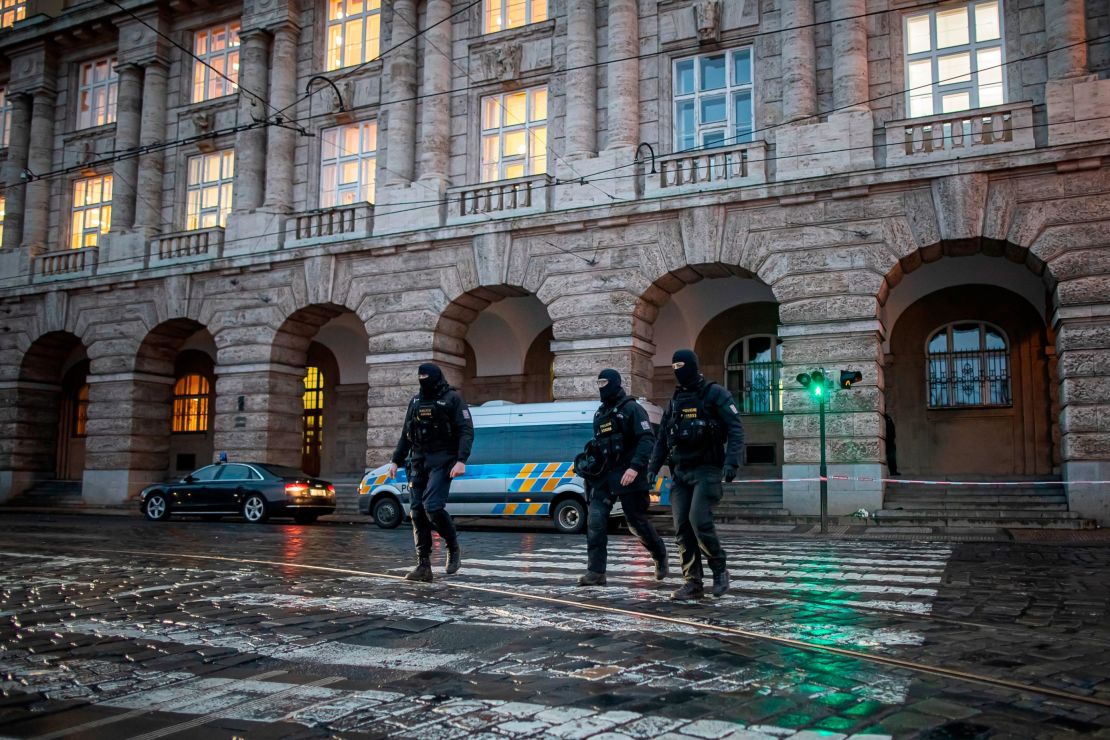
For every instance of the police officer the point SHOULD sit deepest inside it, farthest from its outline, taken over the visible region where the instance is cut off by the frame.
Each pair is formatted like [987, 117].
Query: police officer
[699, 420]
[622, 444]
[435, 442]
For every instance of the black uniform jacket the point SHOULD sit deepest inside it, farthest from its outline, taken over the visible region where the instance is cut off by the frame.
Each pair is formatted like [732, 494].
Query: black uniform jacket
[718, 402]
[457, 445]
[638, 439]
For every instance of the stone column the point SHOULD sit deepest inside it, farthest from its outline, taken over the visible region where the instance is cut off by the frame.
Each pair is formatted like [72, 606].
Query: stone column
[401, 135]
[581, 79]
[15, 190]
[1083, 345]
[250, 145]
[624, 76]
[40, 159]
[1066, 26]
[128, 122]
[799, 66]
[849, 41]
[259, 412]
[435, 123]
[281, 143]
[148, 209]
[28, 433]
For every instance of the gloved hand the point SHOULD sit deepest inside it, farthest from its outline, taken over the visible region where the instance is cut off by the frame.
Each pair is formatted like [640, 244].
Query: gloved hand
[730, 473]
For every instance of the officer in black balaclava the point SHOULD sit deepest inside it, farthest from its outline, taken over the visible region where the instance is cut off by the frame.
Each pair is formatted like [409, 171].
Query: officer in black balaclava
[700, 419]
[623, 439]
[435, 443]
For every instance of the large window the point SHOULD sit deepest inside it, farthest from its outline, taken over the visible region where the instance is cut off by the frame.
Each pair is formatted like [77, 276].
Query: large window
[80, 419]
[348, 160]
[208, 200]
[97, 88]
[954, 59]
[514, 134]
[313, 440]
[5, 118]
[354, 32]
[92, 210]
[713, 100]
[216, 66]
[191, 397]
[3, 213]
[502, 14]
[12, 11]
[968, 365]
[753, 374]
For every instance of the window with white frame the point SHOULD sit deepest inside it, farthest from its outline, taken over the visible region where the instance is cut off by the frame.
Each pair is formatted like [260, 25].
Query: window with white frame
[348, 159]
[216, 63]
[954, 59]
[92, 210]
[968, 364]
[209, 188]
[514, 134]
[12, 11]
[713, 100]
[502, 14]
[5, 118]
[354, 32]
[753, 368]
[97, 88]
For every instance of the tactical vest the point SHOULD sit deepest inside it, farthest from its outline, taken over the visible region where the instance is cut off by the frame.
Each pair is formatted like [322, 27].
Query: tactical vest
[431, 423]
[609, 426]
[694, 432]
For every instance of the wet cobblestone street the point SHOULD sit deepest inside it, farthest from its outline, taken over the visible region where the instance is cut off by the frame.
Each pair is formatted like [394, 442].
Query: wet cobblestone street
[119, 628]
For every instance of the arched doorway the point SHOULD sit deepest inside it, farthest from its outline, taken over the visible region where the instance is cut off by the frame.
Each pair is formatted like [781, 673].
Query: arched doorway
[73, 422]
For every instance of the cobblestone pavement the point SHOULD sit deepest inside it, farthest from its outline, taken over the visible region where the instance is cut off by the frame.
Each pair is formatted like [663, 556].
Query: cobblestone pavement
[116, 628]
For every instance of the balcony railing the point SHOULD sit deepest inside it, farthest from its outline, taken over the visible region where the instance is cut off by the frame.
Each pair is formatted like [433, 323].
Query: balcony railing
[966, 134]
[187, 246]
[974, 378]
[756, 386]
[67, 263]
[323, 225]
[506, 198]
[709, 169]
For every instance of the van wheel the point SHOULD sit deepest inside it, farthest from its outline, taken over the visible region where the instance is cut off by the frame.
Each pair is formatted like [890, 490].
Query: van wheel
[387, 512]
[570, 516]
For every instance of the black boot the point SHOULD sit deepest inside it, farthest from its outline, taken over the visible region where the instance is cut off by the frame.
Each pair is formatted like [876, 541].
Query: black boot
[690, 591]
[454, 558]
[422, 538]
[662, 568]
[422, 572]
[592, 579]
[443, 524]
[720, 583]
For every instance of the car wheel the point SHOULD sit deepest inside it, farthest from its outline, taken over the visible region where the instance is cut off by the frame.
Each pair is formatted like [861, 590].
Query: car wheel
[156, 508]
[570, 516]
[254, 509]
[387, 512]
[305, 518]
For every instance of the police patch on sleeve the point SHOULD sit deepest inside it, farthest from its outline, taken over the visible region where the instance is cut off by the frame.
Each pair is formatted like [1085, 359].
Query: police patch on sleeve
[732, 408]
[466, 413]
[646, 426]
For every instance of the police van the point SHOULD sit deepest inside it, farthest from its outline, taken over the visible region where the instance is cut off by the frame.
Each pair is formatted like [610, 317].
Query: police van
[522, 465]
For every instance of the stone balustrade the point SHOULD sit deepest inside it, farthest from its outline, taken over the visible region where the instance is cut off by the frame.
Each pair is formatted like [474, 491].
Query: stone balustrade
[187, 246]
[708, 169]
[505, 198]
[64, 264]
[993, 130]
[324, 225]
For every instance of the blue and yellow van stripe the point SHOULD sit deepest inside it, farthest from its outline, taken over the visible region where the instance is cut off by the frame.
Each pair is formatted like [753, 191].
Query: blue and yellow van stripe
[525, 509]
[541, 477]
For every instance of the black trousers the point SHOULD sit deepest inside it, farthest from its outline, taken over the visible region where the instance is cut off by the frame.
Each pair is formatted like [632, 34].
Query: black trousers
[635, 505]
[694, 493]
[429, 487]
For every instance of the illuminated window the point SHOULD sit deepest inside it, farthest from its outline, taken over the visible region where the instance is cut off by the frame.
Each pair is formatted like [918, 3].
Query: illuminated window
[354, 32]
[191, 397]
[348, 159]
[502, 14]
[968, 365]
[954, 59]
[217, 60]
[12, 11]
[5, 118]
[92, 210]
[313, 439]
[514, 134]
[3, 211]
[713, 100]
[97, 89]
[81, 412]
[208, 197]
[753, 368]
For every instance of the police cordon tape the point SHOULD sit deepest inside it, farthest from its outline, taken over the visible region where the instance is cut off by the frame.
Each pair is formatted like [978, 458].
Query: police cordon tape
[916, 481]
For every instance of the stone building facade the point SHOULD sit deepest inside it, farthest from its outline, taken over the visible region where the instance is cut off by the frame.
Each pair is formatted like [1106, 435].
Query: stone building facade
[526, 192]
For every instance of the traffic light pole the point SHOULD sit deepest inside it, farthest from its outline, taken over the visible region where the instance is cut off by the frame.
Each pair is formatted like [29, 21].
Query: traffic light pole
[823, 472]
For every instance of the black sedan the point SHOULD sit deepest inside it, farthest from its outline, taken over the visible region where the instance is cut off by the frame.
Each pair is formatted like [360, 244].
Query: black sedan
[255, 490]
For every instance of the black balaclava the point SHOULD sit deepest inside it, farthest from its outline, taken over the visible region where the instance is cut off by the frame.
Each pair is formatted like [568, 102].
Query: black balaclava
[611, 390]
[430, 386]
[688, 374]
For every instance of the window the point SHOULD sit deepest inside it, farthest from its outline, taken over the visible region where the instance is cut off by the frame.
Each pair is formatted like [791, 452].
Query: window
[234, 471]
[3, 211]
[208, 200]
[502, 14]
[217, 59]
[713, 100]
[354, 32]
[191, 397]
[968, 365]
[753, 368]
[514, 134]
[348, 158]
[210, 472]
[5, 118]
[954, 59]
[97, 88]
[12, 11]
[92, 210]
[81, 412]
[529, 443]
[313, 440]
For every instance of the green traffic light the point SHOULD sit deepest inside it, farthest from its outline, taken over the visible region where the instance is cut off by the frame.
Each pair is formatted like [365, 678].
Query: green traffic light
[817, 390]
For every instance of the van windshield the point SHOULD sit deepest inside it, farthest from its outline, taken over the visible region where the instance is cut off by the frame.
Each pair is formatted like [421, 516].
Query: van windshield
[525, 444]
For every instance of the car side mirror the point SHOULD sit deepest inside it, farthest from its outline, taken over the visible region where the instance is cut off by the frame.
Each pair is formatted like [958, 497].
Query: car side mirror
[188, 479]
